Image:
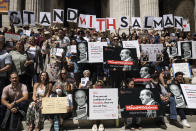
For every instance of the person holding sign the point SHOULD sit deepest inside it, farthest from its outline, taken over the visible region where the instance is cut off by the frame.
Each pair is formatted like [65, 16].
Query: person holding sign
[173, 109]
[58, 119]
[85, 82]
[34, 117]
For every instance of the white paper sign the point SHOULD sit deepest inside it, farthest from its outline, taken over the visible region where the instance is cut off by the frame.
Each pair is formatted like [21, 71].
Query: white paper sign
[72, 15]
[10, 36]
[148, 22]
[132, 44]
[27, 32]
[15, 18]
[186, 26]
[178, 22]
[72, 49]
[95, 51]
[182, 67]
[28, 17]
[168, 21]
[82, 21]
[100, 24]
[136, 22]
[58, 16]
[189, 92]
[103, 104]
[124, 22]
[158, 23]
[151, 52]
[57, 51]
[110, 23]
[45, 18]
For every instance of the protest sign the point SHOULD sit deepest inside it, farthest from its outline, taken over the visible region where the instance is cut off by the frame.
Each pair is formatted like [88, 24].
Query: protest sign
[27, 32]
[148, 22]
[28, 17]
[45, 18]
[178, 22]
[100, 24]
[58, 16]
[82, 52]
[4, 6]
[186, 25]
[11, 36]
[72, 49]
[57, 51]
[72, 15]
[173, 50]
[103, 104]
[132, 44]
[178, 95]
[110, 23]
[54, 105]
[158, 23]
[15, 18]
[81, 104]
[136, 22]
[139, 102]
[124, 22]
[182, 67]
[168, 21]
[95, 51]
[151, 52]
[187, 49]
[189, 92]
[121, 58]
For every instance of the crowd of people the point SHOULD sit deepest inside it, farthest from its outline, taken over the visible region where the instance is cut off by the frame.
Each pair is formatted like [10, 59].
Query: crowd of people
[28, 68]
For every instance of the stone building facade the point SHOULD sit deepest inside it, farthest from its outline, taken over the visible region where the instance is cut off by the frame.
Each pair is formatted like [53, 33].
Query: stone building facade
[110, 8]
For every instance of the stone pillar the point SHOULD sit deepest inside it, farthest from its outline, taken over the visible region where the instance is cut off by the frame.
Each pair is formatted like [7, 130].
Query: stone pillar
[120, 8]
[149, 8]
[36, 6]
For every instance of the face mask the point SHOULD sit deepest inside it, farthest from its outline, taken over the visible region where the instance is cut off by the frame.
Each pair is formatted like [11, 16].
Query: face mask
[58, 91]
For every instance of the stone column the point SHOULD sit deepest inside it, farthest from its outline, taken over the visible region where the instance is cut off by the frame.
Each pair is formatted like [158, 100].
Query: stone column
[149, 8]
[120, 8]
[36, 6]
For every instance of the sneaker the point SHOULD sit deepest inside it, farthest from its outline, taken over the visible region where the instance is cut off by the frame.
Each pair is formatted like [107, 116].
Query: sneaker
[101, 127]
[94, 128]
[163, 126]
[185, 123]
[175, 123]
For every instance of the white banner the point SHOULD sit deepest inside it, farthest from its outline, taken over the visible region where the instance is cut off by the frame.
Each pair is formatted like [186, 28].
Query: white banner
[182, 67]
[132, 44]
[110, 23]
[158, 23]
[100, 24]
[45, 18]
[72, 15]
[58, 16]
[151, 52]
[103, 104]
[136, 22]
[124, 22]
[28, 18]
[15, 18]
[168, 21]
[148, 22]
[178, 22]
[95, 51]
[189, 92]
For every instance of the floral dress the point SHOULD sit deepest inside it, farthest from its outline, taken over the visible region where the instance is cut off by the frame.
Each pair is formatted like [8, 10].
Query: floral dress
[34, 114]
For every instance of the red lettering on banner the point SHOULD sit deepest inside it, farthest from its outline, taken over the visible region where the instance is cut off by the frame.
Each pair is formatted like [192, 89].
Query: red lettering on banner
[100, 23]
[142, 79]
[113, 24]
[82, 20]
[141, 107]
[91, 21]
[113, 62]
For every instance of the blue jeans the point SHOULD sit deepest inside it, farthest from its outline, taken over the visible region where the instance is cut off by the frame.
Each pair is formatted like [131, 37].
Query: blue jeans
[174, 111]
